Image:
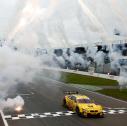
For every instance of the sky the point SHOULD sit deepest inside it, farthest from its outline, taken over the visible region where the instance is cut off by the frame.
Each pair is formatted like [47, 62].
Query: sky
[57, 23]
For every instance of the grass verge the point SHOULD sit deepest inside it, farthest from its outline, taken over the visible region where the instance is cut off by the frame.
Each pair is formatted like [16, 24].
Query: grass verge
[89, 80]
[117, 93]
[92, 81]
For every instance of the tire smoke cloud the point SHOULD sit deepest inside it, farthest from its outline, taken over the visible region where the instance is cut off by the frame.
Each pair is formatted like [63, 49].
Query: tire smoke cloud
[15, 67]
[37, 27]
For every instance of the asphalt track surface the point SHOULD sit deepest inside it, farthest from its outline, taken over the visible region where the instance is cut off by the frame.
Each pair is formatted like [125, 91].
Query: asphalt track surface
[44, 96]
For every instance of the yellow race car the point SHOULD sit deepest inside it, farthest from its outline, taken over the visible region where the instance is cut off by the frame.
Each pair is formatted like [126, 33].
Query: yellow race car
[82, 105]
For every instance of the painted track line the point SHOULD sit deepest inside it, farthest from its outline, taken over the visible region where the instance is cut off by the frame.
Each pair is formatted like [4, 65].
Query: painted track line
[112, 111]
[3, 117]
[39, 115]
[89, 91]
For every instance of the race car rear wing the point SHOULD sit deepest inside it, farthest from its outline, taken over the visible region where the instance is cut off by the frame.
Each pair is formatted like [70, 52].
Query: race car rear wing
[70, 92]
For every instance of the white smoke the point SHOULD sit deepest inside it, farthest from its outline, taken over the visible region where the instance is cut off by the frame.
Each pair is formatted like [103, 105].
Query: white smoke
[15, 67]
[122, 79]
[32, 13]
[12, 103]
[96, 24]
[19, 66]
[99, 58]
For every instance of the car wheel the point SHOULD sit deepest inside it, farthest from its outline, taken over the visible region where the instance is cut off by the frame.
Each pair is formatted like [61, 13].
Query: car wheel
[64, 103]
[78, 111]
[101, 115]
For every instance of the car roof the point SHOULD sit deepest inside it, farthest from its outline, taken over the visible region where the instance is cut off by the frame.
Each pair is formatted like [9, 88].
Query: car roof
[78, 96]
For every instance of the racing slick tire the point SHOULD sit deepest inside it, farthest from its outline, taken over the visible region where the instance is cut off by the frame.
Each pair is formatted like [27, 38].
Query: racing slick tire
[101, 115]
[78, 112]
[64, 103]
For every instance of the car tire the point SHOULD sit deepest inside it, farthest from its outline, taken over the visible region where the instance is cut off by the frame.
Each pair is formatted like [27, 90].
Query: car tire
[64, 103]
[101, 116]
[78, 111]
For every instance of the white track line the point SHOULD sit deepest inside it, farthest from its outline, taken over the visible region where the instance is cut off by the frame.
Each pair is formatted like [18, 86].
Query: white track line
[4, 120]
[108, 97]
[112, 111]
[90, 91]
[26, 94]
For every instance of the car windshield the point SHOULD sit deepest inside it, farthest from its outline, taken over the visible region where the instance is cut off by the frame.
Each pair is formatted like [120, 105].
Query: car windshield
[83, 100]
